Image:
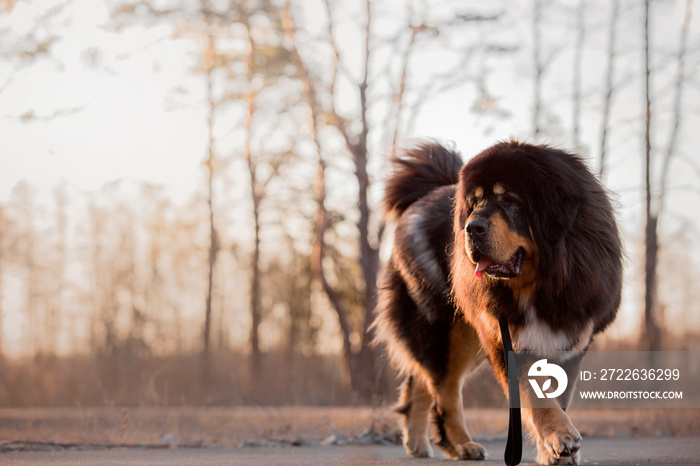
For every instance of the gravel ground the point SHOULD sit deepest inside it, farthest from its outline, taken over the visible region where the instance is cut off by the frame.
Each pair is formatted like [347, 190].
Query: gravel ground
[683, 450]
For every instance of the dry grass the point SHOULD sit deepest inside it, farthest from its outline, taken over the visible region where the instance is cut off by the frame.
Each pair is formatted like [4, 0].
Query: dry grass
[233, 426]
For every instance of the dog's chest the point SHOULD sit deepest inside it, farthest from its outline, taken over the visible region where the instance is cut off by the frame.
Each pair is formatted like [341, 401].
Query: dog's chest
[536, 335]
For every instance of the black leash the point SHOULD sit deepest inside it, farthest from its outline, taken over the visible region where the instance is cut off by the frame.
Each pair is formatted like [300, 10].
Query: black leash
[514, 445]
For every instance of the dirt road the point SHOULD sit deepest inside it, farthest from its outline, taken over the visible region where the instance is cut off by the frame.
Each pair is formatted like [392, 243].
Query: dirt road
[597, 451]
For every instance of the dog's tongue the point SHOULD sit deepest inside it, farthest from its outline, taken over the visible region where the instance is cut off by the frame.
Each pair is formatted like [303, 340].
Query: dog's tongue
[481, 266]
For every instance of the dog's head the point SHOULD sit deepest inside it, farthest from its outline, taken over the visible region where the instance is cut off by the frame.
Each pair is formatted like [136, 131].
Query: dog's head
[497, 233]
[512, 198]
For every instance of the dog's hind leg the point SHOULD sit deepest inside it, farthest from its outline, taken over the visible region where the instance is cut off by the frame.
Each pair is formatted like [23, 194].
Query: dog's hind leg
[415, 404]
[448, 412]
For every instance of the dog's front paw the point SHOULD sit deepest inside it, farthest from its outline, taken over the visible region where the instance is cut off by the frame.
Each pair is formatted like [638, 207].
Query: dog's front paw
[418, 446]
[548, 459]
[560, 447]
[471, 451]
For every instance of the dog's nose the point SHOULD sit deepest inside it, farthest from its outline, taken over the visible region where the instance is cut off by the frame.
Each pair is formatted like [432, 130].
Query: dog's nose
[477, 228]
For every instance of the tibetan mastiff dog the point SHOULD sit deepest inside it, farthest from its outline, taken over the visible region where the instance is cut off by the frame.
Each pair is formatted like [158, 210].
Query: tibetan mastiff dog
[522, 232]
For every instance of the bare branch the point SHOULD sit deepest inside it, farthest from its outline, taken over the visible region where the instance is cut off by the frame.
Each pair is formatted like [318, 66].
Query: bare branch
[539, 68]
[609, 87]
[336, 53]
[395, 119]
[677, 107]
[578, 72]
[336, 120]
[30, 116]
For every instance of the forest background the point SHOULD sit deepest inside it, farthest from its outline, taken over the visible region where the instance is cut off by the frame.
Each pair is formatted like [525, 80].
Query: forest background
[190, 190]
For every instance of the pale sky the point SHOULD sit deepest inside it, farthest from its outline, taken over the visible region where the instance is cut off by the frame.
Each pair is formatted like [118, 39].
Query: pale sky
[125, 119]
[115, 123]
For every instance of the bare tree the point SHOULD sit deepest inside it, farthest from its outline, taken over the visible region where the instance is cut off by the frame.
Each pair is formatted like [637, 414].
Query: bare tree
[578, 72]
[652, 332]
[539, 64]
[256, 197]
[358, 147]
[609, 84]
[544, 53]
[210, 165]
[203, 24]
[58, 269]
[321, 218]
[239, 64]
[25, 247]
[256, 184]
[651, 337]
[266, 63]
[681, 73]
[321, 91]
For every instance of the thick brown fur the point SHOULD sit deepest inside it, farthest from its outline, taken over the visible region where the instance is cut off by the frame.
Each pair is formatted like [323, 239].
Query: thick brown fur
[521, 231]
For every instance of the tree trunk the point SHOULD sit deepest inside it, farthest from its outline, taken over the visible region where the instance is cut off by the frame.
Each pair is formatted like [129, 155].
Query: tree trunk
[255, 195]
[255, 307]
[213, 238]
[53, 323]
[652, 334]
[369, 260]
[317, 254]
[653, 318]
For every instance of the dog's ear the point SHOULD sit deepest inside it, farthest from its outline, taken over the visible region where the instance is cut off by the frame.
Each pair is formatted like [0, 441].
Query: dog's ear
[554, 205]
[557, 195]
[555, 214]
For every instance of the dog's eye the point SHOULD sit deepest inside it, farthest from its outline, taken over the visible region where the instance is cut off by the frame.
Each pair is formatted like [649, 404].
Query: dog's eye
[510, 201]
[468, 205]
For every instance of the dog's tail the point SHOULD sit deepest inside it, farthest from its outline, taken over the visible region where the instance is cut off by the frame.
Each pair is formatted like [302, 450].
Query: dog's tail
[417, 172]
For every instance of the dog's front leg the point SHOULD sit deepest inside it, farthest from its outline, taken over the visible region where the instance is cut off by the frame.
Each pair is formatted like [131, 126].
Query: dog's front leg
[556, 437]
[464, 358]
[453, 437]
